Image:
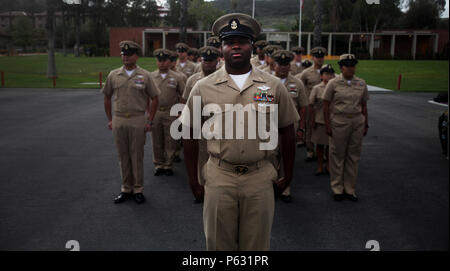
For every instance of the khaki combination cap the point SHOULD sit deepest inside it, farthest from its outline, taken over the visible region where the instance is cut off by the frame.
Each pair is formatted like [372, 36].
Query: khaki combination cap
[306, 63]
[173, 56]
[181, 47]
[297, 50]
[347, 60]
[326, 68]
[209, 53]
[192, 51]
[129, 47]
[213, 41]
[270, 49]
[236, 24]
[283, 57]
[162, 54]
[319, 52]
[261, 44]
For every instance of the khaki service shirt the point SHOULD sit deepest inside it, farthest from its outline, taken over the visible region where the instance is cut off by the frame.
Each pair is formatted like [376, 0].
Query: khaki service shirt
[296, 69]
[171, 87]
[130, 93]
[297, 91]
[219, 88]
[346, 96]
[188, 68]
[310, 77]
[190, 84]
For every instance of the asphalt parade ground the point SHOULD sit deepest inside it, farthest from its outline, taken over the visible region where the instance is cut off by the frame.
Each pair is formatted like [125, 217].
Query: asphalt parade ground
[59, 174]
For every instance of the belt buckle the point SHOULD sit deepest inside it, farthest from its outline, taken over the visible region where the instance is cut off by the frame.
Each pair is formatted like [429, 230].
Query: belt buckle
[127, 114]
[240, 169]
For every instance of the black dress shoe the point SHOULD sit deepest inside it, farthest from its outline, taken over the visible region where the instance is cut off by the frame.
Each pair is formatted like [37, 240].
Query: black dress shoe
[139, 198]
[338, 197]
[169, 172]
[177, 159]
[123, 196]
[353, 198]
[287, 199]
[159, 171]
[197, 201]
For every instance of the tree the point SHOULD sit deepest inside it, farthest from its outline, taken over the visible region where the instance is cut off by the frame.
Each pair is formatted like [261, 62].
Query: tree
[50, 26]
[23, 34]
[424, 14]
[318, 12]
[204, 13]
[183, 19]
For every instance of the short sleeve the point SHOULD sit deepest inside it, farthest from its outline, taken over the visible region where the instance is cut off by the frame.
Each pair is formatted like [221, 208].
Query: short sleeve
[187, 88]
[302, 99]
[328, 94]
[181, 85]
[188, 111]
[303, 77]
[287, 113]
[312, 96]
[108, 88]
[151, 89]
[365, 96]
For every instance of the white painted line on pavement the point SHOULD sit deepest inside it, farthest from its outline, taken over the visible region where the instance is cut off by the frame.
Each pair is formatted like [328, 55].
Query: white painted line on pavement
[436, 103]
[374, 88]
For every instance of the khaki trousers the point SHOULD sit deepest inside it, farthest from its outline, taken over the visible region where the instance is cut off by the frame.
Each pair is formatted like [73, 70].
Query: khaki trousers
[345, 151]
[238, 208]
[164, 146]
[130, 141]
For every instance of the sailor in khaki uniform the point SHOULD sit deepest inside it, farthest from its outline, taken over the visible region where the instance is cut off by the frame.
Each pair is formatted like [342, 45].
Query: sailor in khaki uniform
[130, 89]
[184, 65]
[193, 55]
[173, 65]
[210, 57]
[319, 131]
[297, 65]
[238, 193]
[259, 59]
[347, 124]
[171, 86]
[215, 42]
[282, 59]
[311, 77]
[269, 66]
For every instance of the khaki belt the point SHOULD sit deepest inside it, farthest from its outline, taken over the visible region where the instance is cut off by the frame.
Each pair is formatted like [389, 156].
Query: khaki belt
[349, 116]
[128, 114]
[238, 169]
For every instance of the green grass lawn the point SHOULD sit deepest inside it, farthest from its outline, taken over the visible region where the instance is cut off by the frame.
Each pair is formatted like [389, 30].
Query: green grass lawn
[30, 71]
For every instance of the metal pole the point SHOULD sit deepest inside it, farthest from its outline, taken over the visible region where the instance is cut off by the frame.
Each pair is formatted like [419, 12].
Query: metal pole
[300, 25]
[253, 9]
